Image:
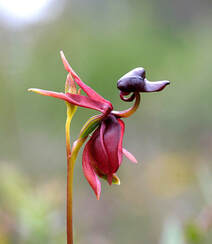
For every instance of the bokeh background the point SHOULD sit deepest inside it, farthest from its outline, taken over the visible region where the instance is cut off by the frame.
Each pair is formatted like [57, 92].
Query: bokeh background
[167, 197]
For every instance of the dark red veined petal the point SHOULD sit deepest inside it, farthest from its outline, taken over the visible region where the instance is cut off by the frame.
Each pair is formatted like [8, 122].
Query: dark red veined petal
[105, 147]
[98, 151]
[102, 144]
[88, 90]
[112, 137]
[106, 160]
[99, 156]
[89, 171]
[75, 99]
[129, 156]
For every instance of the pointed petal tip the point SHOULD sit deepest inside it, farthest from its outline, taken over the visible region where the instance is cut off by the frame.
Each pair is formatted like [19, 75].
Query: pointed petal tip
[166, 82]
[65, 62]
[62, 56]
[36, 90]
[31, 89]
[97, 192]
[110, 179]
[129, 156]
[155, 86]
[97, 196]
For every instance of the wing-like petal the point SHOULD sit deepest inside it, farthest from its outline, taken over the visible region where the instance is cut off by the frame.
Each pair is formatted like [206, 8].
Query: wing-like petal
[89, 171]
[88, 102]
[129, 156]
[88, 90]
[79, 100]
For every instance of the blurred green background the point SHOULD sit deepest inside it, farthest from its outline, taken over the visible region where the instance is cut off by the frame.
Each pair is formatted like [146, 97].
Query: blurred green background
[167, 197]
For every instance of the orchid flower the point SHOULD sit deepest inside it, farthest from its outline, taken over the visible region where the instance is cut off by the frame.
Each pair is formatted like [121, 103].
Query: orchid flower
[103, 153]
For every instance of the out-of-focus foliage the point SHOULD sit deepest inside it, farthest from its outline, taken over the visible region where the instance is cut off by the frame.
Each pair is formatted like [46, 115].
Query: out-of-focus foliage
[171, 134]
[194, 234]
[29, 212]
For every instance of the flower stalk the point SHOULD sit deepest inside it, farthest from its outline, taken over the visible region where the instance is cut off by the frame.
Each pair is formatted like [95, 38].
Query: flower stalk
[71, 159]
[70, 171]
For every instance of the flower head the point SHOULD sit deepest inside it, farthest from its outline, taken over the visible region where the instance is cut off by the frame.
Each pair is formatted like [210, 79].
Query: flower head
[102, 155]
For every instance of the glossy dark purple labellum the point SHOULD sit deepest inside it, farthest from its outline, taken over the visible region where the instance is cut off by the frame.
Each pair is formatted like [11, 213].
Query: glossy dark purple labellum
[135, 81]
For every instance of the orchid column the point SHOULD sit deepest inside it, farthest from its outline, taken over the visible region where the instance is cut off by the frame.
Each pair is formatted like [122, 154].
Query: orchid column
[102, 155]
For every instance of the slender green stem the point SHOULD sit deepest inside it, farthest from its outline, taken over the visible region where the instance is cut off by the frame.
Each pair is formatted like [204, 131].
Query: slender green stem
[70, 168]
[71, 159]
[69, 180]
[70, 176]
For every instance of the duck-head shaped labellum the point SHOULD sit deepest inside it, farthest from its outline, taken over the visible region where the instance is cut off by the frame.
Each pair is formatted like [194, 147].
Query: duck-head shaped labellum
[135, 81]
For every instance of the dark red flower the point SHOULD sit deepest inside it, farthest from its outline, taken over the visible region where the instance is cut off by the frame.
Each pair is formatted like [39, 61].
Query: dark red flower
[102, 155]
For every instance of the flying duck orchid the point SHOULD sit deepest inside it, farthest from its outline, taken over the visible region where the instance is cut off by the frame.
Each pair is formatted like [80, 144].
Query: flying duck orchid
[103, 152]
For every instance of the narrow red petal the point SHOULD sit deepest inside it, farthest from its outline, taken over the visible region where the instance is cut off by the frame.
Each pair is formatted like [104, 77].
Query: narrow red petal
[59, 95]
[121, 141]
[89, 172]
[88, 90]
[87, 102]
[75, 99]
[65, 62]
[129, 156]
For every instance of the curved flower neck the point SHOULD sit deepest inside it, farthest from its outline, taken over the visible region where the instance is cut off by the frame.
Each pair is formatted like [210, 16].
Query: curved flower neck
[128, 112]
